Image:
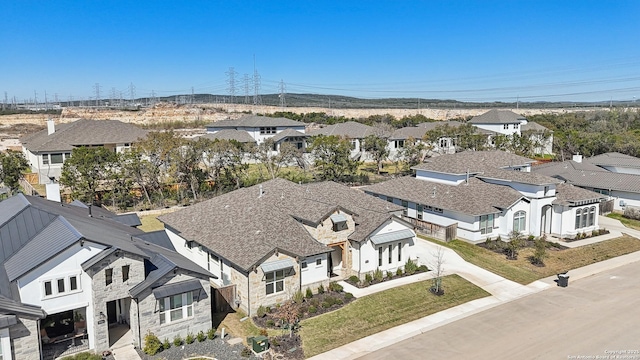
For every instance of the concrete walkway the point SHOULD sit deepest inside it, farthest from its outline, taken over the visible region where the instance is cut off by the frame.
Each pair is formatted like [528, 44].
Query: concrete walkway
[501, 289]
[123, 348]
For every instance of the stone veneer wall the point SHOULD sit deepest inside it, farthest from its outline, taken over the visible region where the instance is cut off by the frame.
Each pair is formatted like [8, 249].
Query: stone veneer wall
[239, 279]
[150, 317]
[25, 340]
[258, 292]
[324, 233]
[118, 289]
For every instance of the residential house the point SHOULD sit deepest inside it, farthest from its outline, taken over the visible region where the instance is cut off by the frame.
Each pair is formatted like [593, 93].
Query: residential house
[354, 131]
[615, 175]
[486, 194]
[401, 137]
[506, 122]
[71, 281]
[47, 150]
[270, 240]
[261, 128]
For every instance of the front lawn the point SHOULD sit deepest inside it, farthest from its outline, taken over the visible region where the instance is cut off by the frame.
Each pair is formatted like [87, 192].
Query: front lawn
[381, 311]
[523, 272]
[630, 223]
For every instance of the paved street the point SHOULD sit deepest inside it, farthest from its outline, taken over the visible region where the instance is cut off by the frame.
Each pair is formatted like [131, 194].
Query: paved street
[593, 315]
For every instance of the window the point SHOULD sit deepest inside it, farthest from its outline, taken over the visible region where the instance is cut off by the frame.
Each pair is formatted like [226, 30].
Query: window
[48, 290]
[275, 281]
[380, 256]
[585, 213]
[340, 225]
[390, 253]
[60, 286]
[419, 210]
[519, 221]
[45, 159]
[592, 215]
[267, 130]
[399, 144]
[56, 158]
[505, 126]
[515, 126]
[389, 199]
[108, 276]
[73, 283]
[125, 273]
[303, 265]
[405, 205]
[444, 142]
[578, 217]
[399, 252]
[318, 262]
[486, 224]
[176, 307]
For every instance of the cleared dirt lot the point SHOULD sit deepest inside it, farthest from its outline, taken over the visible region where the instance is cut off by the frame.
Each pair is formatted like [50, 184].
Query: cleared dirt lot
[595, 316]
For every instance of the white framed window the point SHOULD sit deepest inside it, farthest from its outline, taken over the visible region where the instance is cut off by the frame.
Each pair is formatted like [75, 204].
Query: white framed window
[340, 225]
[318, 262]
[419, 210]
[578, 217]
[48, 289]
[267, 130]
[380, 250]
[520, 221]
[515, 126]
[585, 213]
[45, 159]
[390, 253]
[57, 158]
[486, 224]
[505, 126]
[399, 252]
[176, 307]
[592, 216]
[274, 281]
[304, 265]
[73, 283]
[61, 285]
[108, 276]
[125, 273]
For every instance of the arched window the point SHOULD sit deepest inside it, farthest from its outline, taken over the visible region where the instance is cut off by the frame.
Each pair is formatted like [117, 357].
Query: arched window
[592, 216]
[585, 212]
[519, 221]
[578, 213]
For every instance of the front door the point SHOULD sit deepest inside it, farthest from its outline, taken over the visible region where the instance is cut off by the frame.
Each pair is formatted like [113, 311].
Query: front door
[545, 221]
[112, 315]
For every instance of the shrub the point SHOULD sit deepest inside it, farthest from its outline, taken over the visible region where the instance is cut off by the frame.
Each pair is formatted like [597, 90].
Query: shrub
[632, 212]
[377, 275]
[410, 267]
[320, 289]
[245, 352]
[268, 309]
[339, 301]
[313, 309]
[271, 323]
[298, 297]
[389, 275]
[499, 238]
[354, 279]
[177, 341]
[152, 344]
[331, 300]
[190, 338]
[325, 305]
[399, 272]
[264, 332]
[514, 245]
[368, 278]
[274, 342]
[83, 356]
[166, 344]
[309, 293]
[335, 287]
[423, 268]
[201, 336]
[262, 311]
[348, 296]
[211, 333]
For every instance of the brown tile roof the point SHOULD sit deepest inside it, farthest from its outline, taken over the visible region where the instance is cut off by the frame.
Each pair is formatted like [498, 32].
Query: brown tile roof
[244, 226]
[230, 134]
[349, 129]
[83, 132]
[474, 198]
[473, 161]
[256, 121]
[497, 117]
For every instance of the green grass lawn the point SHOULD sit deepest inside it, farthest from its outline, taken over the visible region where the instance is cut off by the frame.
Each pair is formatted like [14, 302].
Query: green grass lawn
[150, 223]
[523, 272]
[381, 311]
[630, 223]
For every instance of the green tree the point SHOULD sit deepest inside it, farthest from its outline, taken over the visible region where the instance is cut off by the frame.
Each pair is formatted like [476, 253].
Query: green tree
[155, 152]
[12, 165]
[186, 159]
[273, 161]
[332, 158]
[376, 146]
[224, 166]
[413, 153]
[86, 171]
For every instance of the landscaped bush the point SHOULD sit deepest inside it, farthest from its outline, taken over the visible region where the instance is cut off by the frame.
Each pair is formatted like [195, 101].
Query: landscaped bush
[325, 305]
[334, 286]
[83, 356]
[271, 323]
[211, 333]
[313, 309]
[245, 352]
[152, 344]
[298, 297]
[423, 268]
[309, 293]
[399, 272]
[632, 212]
[190, 338]
[540, 251]
[262, 311]
[377, 275]
[348, 296]
[320, 289]
[166, 344]
[201, 336]
[354, 279]
[389, 275]
[410, 267]
[368, 278]
[177, 341]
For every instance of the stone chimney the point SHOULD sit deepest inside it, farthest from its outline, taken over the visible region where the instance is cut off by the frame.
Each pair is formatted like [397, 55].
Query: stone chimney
[51, 127]
[577, 158]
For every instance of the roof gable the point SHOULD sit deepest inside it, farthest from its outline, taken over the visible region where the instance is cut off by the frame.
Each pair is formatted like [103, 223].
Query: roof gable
[495, 116]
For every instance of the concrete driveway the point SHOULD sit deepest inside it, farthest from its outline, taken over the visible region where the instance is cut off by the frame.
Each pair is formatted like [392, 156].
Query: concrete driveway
[594, 316]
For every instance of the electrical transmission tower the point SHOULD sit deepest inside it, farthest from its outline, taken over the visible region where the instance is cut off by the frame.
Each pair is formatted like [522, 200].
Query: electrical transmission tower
[283, 91]
[257, 100]
[246, 88]
[112, 97]
[231, 82]
[96, 87]
[132, 92]
[4, 104]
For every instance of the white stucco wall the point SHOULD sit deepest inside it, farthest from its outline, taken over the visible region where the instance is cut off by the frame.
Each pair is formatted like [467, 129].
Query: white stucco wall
[314, 272]
[499, 128]
[369, 252]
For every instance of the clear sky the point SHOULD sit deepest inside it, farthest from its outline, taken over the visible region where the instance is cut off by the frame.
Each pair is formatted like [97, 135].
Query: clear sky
[466, 50]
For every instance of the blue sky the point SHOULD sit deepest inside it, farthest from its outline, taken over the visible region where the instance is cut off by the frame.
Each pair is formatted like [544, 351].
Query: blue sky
[464, 50]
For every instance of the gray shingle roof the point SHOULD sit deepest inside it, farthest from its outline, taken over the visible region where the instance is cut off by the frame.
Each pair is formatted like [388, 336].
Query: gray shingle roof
[475, 198]
[349, 129]
[243, 226]
[230, 134]
[253, 121]
[83, 132]
[569, 194]
[591, 176]
[409, 132]
[434, 124]
[518, 176]
[288, 133]
[128, 219]
[533, 126]
[495, 116]
[473, 161]
[614, 159]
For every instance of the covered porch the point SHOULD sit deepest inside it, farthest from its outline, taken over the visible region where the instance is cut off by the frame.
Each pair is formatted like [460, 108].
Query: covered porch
[64, 333]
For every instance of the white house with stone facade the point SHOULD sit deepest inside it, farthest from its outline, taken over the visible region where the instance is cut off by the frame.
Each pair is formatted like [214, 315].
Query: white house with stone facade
[270, 240]
[72, 280]
[486, 194]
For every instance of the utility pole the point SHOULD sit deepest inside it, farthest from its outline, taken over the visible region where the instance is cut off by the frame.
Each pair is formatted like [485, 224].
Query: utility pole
[231, 82]
[283, 91]
[132, 93]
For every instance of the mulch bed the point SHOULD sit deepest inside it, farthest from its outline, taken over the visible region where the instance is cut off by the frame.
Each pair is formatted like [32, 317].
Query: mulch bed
[290, 347]
[501, 247]
[600, 232]
[363, 283]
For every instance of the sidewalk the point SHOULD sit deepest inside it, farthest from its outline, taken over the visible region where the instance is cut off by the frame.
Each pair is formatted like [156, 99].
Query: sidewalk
[502, 291]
